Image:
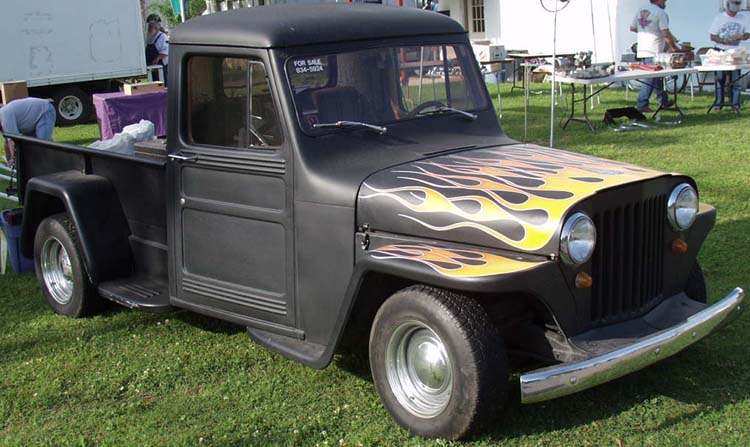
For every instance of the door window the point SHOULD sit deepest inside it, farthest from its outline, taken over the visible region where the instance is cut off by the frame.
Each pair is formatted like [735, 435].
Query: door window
[230, 103]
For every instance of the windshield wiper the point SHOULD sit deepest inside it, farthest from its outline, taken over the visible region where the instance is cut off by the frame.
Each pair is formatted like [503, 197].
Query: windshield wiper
[444, 109]
[339, 124]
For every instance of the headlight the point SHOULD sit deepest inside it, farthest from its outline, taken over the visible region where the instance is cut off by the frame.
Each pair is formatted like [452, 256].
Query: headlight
[682, 207]
[578, 239]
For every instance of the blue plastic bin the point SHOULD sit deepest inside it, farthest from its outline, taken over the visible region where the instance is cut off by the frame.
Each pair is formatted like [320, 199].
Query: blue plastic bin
[19, 262]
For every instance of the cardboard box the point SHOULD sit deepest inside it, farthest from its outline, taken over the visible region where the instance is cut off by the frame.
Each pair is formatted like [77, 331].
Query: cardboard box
[495, 68]
[143, 87]
[537, 77]
[10, 91]
[485, 51]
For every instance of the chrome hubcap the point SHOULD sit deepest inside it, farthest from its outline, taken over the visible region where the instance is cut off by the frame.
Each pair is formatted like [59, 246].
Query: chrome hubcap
[70, 107]
[57, 271]
[419, 369]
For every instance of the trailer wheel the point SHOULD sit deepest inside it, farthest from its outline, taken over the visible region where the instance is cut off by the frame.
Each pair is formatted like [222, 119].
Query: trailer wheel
[73, 106]
[437, 361]
[60, 270]
[696, 284]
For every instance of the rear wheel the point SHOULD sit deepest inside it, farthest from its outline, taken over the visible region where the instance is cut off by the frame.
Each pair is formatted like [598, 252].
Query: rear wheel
[59, 268]
[437, 361]
[72, 105]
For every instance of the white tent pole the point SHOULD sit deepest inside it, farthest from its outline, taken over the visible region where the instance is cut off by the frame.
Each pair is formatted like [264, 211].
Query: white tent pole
[593, 31]
[611, 38]
[182, 10]
[554, 72]
[595, 57]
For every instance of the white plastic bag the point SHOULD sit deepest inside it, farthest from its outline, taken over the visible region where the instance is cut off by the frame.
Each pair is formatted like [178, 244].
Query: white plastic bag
[142, 131]
[124, 143]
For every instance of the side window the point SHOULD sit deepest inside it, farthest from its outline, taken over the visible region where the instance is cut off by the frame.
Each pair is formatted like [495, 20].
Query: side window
[230, 103]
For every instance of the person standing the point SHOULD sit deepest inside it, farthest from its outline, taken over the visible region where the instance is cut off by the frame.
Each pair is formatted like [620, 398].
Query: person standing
[33, 117]
[157, 44]
[728, 29]
[652, 25]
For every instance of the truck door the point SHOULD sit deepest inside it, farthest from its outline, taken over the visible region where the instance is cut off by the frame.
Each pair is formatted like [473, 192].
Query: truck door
[231, 187]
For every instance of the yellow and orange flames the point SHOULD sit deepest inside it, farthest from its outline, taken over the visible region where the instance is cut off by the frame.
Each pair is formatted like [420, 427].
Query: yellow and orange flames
[454, 263]
[516, 194]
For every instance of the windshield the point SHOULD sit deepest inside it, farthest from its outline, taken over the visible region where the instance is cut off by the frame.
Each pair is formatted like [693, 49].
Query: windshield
[383, 85]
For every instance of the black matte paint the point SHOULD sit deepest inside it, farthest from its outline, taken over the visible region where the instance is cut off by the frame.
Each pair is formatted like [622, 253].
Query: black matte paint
[273, 239]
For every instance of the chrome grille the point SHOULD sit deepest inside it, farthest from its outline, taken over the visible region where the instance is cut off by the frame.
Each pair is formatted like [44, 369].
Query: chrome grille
[628, 263]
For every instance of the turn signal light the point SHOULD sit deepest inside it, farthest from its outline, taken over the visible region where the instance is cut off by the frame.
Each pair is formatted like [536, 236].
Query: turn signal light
[679, 247]
[584, 280]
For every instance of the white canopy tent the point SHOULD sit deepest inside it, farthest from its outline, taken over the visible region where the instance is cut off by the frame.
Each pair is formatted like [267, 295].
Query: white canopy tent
[582, 25]
[600, 26]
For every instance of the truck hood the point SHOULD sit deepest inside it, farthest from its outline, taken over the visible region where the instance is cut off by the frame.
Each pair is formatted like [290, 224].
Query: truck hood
[511, 197]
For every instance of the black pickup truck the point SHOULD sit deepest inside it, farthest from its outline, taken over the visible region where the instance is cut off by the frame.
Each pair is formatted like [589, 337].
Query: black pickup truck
[335, 175]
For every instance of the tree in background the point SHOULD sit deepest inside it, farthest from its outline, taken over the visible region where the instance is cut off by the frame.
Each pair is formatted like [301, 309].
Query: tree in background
[170, 17]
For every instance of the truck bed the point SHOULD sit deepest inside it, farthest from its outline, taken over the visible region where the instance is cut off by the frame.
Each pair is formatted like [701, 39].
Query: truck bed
[139, 181]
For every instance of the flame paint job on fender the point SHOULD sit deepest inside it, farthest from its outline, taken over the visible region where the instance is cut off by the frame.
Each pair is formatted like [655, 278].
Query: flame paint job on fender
[461, 263]
[510, 197]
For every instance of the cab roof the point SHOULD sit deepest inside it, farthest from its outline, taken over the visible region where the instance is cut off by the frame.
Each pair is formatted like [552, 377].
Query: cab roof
[280, 26]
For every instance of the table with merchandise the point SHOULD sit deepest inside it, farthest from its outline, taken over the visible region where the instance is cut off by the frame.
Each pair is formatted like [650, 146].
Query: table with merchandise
[605, 82]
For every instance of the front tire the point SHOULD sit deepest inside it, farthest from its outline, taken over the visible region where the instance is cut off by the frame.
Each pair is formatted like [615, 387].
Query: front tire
[60, 271]
[438, 362]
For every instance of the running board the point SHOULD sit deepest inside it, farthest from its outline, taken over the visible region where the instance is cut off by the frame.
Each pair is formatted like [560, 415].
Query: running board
[140, 293]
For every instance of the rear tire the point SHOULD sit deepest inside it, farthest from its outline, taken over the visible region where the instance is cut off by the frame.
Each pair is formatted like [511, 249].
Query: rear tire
[438, 362]
[60, 271]
[72, 106]
[696, 284]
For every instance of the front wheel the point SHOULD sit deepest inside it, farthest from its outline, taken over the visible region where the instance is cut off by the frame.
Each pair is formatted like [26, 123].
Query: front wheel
[59, 268]
[437, 361]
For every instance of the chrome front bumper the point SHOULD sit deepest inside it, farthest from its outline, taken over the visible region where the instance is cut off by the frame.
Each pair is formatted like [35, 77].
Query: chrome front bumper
[568, 378]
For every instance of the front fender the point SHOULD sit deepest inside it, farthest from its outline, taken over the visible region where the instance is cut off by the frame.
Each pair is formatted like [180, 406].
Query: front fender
[94, 207]
[410, 261]
[474, 270]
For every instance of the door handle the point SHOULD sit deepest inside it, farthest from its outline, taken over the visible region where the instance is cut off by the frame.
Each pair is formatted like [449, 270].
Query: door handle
[181, 157]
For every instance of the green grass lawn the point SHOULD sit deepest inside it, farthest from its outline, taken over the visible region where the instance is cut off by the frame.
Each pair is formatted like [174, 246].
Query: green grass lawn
[128, 378]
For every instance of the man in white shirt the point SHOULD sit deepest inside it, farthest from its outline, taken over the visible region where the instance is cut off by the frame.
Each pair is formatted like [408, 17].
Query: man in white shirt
[652, 25]
[157, 48]
[728, 29]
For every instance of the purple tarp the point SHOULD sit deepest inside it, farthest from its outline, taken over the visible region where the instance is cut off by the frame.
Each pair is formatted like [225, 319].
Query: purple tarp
[117, 110]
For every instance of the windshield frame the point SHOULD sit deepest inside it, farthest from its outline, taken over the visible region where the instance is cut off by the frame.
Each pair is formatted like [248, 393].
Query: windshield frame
[348, 47]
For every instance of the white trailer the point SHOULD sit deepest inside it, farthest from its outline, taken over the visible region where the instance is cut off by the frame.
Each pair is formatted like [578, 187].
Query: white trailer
[67, 50]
